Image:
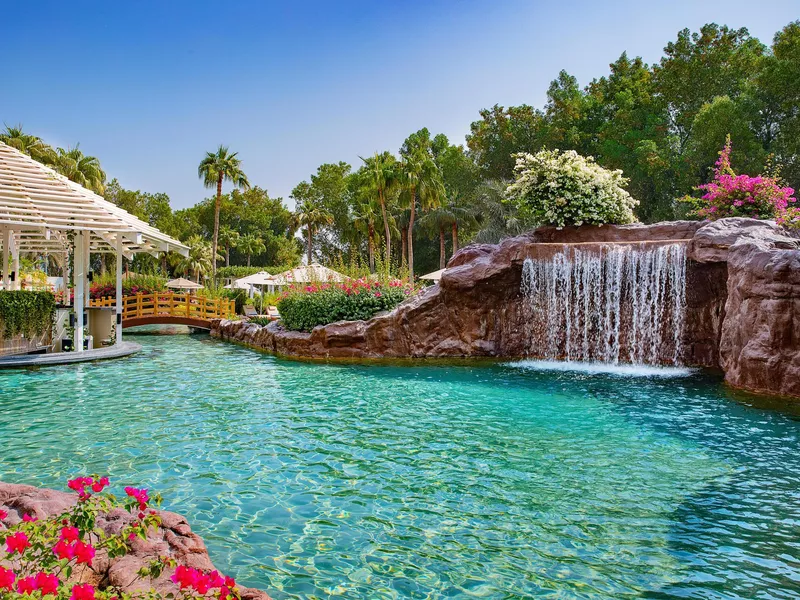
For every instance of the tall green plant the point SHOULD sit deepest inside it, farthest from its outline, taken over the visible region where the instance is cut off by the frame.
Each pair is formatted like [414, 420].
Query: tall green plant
[26, 313]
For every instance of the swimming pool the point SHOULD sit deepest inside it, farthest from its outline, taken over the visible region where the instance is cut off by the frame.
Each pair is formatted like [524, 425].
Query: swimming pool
[430, 480]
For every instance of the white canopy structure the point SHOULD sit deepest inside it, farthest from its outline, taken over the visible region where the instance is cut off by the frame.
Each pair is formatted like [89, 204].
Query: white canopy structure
[43, 212]
[313, 273]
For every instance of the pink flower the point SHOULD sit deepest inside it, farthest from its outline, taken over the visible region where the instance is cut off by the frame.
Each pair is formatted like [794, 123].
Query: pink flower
[27, 585]
[84, 552]
[64, 550]
[17, 542]
[82, 592]
[3, 514]
[7, 578]
[69, 534]
[138, 494]
[185, 576]
[47, 583]
[29, 518]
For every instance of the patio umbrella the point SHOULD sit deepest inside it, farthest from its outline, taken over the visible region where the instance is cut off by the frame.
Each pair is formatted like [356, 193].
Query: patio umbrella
[435, 276]
[183, 284]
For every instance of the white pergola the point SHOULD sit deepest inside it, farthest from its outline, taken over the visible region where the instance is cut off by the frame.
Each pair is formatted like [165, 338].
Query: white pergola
[43, 212]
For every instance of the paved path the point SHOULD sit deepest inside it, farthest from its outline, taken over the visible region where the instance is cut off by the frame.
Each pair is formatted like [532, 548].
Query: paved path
[65, 358]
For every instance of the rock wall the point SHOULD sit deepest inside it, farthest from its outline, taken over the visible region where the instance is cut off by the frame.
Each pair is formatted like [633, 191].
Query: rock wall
[743, 298]
[174, 539]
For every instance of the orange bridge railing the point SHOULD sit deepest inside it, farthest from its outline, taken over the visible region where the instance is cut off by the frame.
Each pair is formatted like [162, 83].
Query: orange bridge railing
[170, 304]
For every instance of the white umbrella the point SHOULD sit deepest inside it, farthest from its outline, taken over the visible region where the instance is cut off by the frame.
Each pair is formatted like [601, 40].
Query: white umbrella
[183, 284]
[435, 276]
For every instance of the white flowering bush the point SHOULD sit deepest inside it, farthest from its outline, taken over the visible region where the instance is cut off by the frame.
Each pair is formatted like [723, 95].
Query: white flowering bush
[565, 188]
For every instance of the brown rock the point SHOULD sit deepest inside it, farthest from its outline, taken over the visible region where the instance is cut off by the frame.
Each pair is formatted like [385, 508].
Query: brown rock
[742, 303]
[174, 538]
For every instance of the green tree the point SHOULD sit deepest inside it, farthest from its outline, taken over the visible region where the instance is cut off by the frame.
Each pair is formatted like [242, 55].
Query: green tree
[310, 213]
[215, 168]
[383, 180]
[199, 262]
[83, 170]
[251, 245]
[230, 239]
[29, 144]
[421, 181]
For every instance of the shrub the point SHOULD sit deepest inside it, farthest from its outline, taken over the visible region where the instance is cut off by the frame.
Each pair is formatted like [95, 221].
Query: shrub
[565, 188]
[732, 195]
[260, 320]
[303, 308]
[26, 313]
[41, 555]
[105, 286]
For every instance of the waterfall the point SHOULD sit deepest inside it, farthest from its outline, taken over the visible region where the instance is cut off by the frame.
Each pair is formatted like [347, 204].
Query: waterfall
[607, 303]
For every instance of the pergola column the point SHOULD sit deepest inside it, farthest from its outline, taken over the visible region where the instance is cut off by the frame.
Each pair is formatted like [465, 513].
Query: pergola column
[119, 288]
[79, 275]
[17, 283]
[6, 249]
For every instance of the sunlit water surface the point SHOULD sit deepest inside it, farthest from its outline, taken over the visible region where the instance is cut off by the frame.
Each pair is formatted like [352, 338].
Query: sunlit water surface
[430, 481]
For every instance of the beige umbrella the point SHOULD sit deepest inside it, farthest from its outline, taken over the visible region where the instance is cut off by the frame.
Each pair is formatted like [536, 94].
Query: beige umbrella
[435, 276]
[313, 273]
[183, 284]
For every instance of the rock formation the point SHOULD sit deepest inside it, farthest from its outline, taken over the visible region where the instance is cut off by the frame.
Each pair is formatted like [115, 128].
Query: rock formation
[174, 538]
[742, 295]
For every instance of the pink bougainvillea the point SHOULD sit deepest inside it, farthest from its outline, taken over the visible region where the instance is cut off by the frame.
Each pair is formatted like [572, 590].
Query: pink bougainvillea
[732, 195]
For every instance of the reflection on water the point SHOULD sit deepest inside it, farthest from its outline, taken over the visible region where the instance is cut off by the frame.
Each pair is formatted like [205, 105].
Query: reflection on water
[426, 481]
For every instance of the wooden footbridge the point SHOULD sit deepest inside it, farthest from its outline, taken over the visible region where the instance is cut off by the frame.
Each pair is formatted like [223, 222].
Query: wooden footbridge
[170, 308]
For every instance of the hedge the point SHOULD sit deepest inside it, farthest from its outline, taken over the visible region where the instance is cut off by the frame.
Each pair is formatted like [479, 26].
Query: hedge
[26, 313]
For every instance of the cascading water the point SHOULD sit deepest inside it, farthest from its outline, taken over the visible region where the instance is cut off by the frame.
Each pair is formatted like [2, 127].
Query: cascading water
[607, 303]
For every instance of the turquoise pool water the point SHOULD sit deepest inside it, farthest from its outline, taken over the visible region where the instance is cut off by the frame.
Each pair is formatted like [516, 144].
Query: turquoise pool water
[425, 481]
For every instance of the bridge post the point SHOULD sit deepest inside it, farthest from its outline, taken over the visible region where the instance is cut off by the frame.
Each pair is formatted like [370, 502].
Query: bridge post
[119, 288]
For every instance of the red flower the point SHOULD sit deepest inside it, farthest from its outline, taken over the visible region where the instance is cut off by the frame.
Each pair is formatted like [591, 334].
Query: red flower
[84, 552]
[27, 585]
[82, 592]
[3, 514]
[7, 578]
[63, 550]
[70, 534]
[29, 518]
[17, 542]
[185, 576]
[47, 583]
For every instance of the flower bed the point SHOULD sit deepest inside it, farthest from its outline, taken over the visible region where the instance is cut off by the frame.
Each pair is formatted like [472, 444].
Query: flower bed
[303, 308]
[56, 557]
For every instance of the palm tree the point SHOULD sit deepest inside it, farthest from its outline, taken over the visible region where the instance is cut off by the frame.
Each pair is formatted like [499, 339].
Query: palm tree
[312, 215]
[364, 218]
[250, 245]
[436, 222]
[29, 144]
[229, 238]
[215, 168]
[383, 181]
[199, 261]
[83, 170]
[422, 181]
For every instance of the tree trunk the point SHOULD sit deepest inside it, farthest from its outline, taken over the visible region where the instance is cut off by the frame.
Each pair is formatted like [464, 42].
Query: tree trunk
[371, 247]
[248, 260]
[455, 237]
[216, 227]
[404, 247]
[164, 264]
[386, 229]
[102, 264]
[442, 257]
[411, 235]
[227, 256]
[309, 244]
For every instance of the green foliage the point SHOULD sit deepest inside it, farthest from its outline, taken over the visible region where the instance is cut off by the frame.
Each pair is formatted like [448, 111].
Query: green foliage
[260, 320]
[26, 313]
[565, 188]
[304, 308]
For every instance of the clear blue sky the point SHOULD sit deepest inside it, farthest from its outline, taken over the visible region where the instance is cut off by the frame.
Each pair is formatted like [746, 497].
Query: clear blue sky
[148, 87]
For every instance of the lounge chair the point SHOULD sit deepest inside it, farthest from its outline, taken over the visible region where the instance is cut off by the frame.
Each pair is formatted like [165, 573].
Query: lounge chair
[250, 311]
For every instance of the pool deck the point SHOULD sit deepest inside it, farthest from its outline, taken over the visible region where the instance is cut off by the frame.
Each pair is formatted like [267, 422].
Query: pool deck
[66, 358]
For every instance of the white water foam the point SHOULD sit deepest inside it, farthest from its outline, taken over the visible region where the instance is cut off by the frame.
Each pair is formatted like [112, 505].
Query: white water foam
[600, 368]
